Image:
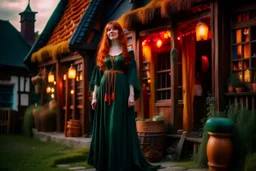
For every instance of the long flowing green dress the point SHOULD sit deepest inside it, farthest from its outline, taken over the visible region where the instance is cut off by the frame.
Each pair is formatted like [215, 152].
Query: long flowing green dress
[115, 145]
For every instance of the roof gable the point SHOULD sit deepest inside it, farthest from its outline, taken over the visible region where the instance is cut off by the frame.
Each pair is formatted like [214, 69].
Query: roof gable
[13, 46]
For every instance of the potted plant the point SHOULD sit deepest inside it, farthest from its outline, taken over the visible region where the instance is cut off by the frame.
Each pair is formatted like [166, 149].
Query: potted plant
[152, 136]
[239, 85]
[233, 77]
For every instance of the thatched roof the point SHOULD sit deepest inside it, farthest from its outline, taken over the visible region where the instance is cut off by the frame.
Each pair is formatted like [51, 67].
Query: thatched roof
[145, 15]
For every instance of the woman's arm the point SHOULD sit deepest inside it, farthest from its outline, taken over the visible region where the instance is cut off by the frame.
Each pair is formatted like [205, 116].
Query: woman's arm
[94, 97]
[131, 96]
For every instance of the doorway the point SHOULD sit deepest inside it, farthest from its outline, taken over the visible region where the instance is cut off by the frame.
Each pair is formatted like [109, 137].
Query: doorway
[203, 86]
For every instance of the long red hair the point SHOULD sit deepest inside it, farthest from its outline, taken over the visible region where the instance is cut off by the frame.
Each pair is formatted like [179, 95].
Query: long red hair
[105, 44]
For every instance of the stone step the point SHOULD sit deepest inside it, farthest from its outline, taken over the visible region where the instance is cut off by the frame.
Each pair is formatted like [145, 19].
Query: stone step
[59, 138]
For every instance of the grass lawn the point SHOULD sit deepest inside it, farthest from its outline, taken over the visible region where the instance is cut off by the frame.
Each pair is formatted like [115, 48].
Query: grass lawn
[20, 153]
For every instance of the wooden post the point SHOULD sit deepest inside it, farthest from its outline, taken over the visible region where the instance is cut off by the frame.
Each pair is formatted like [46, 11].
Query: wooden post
[67, 105]
[59, 98]
[174, 78]
[85, 110]
[138, 59]
[220, 54]
[74, 97]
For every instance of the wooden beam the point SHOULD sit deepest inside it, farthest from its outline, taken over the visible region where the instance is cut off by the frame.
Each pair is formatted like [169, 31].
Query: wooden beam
[174, 77]
[85, 110]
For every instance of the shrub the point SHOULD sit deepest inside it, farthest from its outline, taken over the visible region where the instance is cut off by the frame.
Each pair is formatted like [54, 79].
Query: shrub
[29, 120]
[250, 163]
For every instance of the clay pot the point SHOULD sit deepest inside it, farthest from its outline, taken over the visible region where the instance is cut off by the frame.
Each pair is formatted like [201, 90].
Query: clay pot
[219, 146]
[231, 88]
[219, 151]
[239, 89]
[254, 87]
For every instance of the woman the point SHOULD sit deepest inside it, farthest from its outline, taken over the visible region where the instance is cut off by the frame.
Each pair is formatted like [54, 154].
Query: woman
[115, 85]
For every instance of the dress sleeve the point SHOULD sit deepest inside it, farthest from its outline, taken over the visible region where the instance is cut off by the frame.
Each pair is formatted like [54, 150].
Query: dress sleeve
[133, 76]
[95, 78]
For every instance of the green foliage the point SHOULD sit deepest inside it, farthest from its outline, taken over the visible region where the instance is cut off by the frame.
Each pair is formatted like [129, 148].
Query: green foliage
[235, 81]
[29, 120]
[250, 163]
[244, 138]
[159, 117]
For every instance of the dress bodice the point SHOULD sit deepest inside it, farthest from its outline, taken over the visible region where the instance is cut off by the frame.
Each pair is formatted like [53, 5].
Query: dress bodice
[114, 62]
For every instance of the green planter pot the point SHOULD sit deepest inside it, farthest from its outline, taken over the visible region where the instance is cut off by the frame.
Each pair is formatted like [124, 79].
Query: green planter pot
[219, 146]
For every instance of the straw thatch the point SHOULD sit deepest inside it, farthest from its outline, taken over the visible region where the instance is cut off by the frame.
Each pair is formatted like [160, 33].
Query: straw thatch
[145, 15]
[139, 16]
[50, 52]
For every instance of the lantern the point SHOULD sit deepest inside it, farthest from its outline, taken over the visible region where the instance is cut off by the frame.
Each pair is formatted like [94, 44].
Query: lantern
[205, 64]
[72, 91]
[201, 31]
[48, 90]
[50, 77]
[159, 43]
[71, 72]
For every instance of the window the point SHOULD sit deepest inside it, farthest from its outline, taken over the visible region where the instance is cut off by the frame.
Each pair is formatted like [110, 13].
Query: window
[6, 96]
[163, 79]
[244, 44]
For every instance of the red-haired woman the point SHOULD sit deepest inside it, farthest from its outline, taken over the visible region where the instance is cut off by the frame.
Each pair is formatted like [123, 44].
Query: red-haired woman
[115, 85]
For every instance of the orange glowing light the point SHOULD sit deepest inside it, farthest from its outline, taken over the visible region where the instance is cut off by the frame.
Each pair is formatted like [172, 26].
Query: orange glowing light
[71, 72]
[51, 77]
[159, 43]
[201, 31]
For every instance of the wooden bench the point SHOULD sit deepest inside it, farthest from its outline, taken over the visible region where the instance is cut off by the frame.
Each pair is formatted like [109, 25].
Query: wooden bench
[195, 140]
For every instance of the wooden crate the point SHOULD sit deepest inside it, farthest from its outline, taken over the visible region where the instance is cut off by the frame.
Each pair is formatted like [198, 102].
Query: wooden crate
[7, 120]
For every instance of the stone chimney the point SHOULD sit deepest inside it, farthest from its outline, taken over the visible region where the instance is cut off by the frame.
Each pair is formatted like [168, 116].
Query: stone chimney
[27, 20]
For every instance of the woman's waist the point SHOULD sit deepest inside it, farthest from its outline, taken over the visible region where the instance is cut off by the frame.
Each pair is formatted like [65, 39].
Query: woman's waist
[113, 71]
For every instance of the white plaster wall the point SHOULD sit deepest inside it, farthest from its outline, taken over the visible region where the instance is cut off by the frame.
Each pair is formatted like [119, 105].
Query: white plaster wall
[14, 80]
[21, 83]
[27, 84]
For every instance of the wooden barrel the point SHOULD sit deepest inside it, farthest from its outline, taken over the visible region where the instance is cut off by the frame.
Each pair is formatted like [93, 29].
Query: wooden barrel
[74, 128]
[152, 138]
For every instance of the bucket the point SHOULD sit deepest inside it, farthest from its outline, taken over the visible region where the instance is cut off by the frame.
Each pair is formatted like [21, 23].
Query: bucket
[74, 128]
[152, 139]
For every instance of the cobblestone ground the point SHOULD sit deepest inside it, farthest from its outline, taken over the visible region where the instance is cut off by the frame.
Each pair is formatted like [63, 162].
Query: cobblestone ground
[165, 166]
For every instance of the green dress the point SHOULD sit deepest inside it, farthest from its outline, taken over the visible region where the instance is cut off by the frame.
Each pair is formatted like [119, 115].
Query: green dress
[115, 145]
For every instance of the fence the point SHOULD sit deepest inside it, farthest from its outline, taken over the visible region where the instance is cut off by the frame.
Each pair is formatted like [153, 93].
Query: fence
[8, 120]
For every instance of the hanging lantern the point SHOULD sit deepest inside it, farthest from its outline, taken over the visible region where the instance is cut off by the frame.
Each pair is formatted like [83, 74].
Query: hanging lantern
[72, 91]
[205, 64]
[159, 43]
[201, 31]
[48, 90]
[167, 34]
[71, 72]
[50, 77]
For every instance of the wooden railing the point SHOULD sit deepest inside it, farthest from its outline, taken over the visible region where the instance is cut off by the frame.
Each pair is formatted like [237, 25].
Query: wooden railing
[7, 120]
[246, 100]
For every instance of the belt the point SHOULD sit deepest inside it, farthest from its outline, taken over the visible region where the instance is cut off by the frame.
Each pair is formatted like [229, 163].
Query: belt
[114, 71]
[111, 85]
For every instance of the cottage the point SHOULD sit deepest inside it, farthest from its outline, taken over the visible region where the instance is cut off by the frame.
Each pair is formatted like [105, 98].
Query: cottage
[15, 89]
[186, 49]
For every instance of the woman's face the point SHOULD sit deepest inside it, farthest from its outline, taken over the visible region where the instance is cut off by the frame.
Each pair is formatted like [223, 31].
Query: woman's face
[112, 33]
